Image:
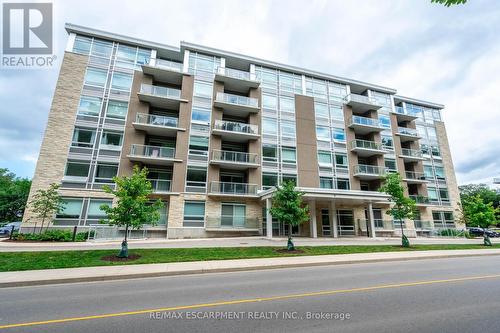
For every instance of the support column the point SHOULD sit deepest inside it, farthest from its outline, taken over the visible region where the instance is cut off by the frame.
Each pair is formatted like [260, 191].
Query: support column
[372, 220]
[269, 220]
[333, 220]
[314, 227]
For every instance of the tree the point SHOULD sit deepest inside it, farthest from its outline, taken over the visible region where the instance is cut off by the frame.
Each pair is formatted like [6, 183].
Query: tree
[288, 207]
[403, 207]
[448, 3]
[132, 208]
[46, 203]
[468, 192]
[14, 193]
[478, 213]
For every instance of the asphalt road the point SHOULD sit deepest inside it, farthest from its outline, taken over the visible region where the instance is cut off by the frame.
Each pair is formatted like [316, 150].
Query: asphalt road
[439, 295]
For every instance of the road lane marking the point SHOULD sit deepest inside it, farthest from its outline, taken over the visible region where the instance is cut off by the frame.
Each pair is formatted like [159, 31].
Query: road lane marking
[250, 300]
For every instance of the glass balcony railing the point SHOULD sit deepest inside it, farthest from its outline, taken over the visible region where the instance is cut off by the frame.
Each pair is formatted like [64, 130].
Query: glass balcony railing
[420, 199]
[369, 170]
[414, 175]
[365, 121]
[152, 151]
[160, 185]
[236, 74]
[233, 188]
[167, 64]
[407, 131]
[238, 100]
[156, 120]
[419, 225]
[407, 112]
[365, 144]
[160, 91]
[232, 126]
[232, 222]
[234, 156]
[411, 152]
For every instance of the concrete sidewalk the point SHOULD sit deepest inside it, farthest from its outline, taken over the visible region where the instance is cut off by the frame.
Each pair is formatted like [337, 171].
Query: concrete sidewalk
[6, 246]
[85, 274]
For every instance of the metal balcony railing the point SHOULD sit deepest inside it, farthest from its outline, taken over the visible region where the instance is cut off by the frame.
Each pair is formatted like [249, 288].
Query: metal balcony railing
[233, 188]
[369, 169]
[166, 64]
[236, 73]
[160, 91]
[414, 175]
[233, 156]
[411, 152]
[232, 222]
[407, 131]
[236, 99]
[365, 144]
[151, 119]
[232, 126]
[365, 121]
[160, 185]
[419, 199]
[152, 151]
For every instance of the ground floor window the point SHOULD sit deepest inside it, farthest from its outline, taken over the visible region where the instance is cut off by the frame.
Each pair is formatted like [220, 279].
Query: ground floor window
[233, 215]
[194, 214]
[72, 209]
[443, 219]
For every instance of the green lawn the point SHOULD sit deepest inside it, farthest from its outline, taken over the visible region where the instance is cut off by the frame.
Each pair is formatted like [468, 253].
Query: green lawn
[19, 261]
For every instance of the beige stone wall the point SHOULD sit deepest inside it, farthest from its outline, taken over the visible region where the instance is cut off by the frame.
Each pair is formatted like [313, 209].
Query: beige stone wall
[59, 130]
[307, 156]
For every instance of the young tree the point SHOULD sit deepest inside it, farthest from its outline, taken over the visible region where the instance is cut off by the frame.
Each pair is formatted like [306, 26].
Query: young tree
[288, 207]
[403, 207]
[132, 208]
[14, 193]
[469, 191]
[477, 213]
[46, 203]
[448, 3]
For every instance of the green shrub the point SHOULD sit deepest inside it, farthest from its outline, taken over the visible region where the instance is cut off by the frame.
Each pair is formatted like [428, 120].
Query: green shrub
[52, 236]
[453, 233]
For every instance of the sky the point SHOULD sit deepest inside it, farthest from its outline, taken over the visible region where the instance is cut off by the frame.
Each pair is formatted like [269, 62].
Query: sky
[426, 51]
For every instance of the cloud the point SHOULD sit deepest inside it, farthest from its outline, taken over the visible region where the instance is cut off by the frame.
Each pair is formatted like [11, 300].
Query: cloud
[427, 51]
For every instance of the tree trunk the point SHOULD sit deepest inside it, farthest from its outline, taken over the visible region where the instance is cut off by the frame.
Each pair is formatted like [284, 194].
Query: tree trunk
[124, 250]
[41, 227]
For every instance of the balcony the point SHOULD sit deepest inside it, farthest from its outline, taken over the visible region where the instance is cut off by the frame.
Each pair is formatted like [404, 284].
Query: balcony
[236, 80]
[234, 131]
[412, 177]
[233, 189]
[403, 114]
[407, 134]
[152, 155]
[369, 172]
[234, 159]
[236, 105]
[411, 155]
[366, 148]
[157, 125]
[364, 125]
[164, 71]
[421, 200]
[160, 186]
[361, 103]
[162, 97]
[232, 223]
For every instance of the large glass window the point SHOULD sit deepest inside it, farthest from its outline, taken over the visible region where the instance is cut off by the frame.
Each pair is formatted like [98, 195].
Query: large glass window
[121, 81]
[322, 133]
[89, 106]
[202, 89]
[341, 161]
[336, 112]
[83, 137]
[431, 132]
[96, 77]
[321, 110]
[95, 212]
[194, 214]
[443, 194]
[435, 151]
[439, 172]
[82, 45]
[325, 158]
[343, 184]
[102, 48]
[287, 104]
[338, 134]
[387, 142]
[269, 102]
[269, 180]
[432, 192]
[288, 128]
[233, 214]
[105, 172]
[428, 172]
[72, 209]
[198, 145]
[288, 155]
[77, 169]
[200, 115]
[269, 126]
[126, 53]
[325, 182]
[269, 152]
[196, 176]
[390, 164]
[384, 120]
[111, 140]
[117, 109]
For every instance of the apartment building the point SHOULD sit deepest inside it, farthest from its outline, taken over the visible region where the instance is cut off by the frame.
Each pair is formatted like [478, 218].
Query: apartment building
[219, 130]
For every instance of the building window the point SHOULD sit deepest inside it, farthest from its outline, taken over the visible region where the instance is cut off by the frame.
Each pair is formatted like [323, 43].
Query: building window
[288, 155]
[390, 164]
[269, 180]
[443, 195]
[198, 145]
[72, 209]
[321, 110]
[121, 81]
[432, 192]
[387, 142]
[89, 106]
[384, 120]
[77, 169]
[105, 172]
[111, 140]
[325, 158]
[439, 172]
[343, 184]
[83, 138]
[341, 161]
[200, 115]
[117, 109]
[269, 126]
[325, 182]
[287, 104]
[196, 177]
[202, 89]
[194, 214]
[425, 149]
[102, 48]
[269, 102]
[94, 212]
[96, 77]
[322, 133]
[338, 134]
[290, 178]
[82, 45]
[288, 129]
[431, 132]
[435, 151]
[428, 172]
[269, 153]
[233, 215]
[336, 112]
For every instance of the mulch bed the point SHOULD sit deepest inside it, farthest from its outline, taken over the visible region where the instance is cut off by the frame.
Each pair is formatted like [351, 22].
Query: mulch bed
[291, 252]
[115, 258]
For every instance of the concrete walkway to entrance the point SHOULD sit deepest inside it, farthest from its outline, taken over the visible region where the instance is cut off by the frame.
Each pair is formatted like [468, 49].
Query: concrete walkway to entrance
[7, 246]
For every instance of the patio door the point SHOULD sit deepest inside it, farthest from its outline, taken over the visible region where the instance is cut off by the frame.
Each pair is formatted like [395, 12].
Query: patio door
[233, 215]
[345, 220]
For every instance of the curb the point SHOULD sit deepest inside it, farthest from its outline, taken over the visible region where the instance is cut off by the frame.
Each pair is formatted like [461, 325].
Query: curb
[225, 270]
